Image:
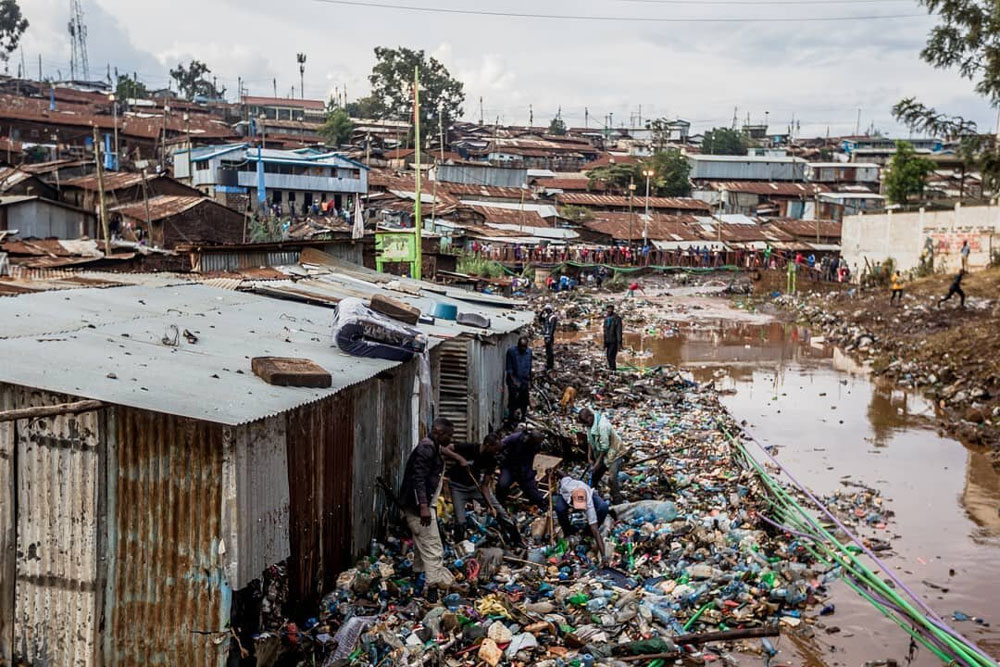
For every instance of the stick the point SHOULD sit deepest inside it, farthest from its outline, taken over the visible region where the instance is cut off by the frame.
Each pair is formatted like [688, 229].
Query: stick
[704, 638]
[551, 526]
[511, 559]
[51, 410]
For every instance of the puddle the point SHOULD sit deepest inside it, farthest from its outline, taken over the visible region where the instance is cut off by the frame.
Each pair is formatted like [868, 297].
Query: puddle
[831, 421]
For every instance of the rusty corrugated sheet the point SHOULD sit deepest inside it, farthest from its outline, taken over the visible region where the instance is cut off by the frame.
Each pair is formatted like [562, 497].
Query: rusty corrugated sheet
[167, 601]
[320, 448]
[57, 466]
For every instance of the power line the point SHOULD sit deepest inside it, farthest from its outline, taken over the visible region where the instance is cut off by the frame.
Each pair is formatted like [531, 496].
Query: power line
[761, 2]
[630, 19]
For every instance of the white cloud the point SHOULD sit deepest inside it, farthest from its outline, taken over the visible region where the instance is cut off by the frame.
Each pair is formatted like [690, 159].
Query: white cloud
[818, 72]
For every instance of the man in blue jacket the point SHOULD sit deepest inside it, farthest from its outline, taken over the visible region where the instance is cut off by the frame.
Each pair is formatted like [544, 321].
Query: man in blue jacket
[518, 378]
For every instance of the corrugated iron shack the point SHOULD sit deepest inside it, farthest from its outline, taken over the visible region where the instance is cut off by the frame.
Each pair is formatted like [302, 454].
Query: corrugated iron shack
[127, 531]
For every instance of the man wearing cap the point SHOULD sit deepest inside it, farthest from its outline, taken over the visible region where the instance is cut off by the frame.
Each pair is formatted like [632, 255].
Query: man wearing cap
[605, 449]
[549, 324]
[581, 498]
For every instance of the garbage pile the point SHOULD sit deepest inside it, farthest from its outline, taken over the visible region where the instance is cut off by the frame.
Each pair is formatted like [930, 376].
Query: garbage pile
[693, 571]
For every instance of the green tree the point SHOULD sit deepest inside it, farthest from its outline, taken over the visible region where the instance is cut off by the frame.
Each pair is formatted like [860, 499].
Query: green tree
[130, 88]
[724, 141]
[191, 81]
[557, 126]
[364, 107]
[12, 26]
[441, 95]
[614, 177]
[337, 127]
[576, 213]
[672, 172]
[967, 37]
[907, 173]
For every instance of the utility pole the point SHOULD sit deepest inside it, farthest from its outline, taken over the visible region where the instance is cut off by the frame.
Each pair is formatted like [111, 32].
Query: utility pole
[531, 116]
[114, 103]
[39, 67]
[100, 193]
[417, 222]
[163, 144]
[586, 118]
[187, 130]
[145, 200]
[631, 212]
[274, 82]
[857, 126]
[648, 173]
[480, 111]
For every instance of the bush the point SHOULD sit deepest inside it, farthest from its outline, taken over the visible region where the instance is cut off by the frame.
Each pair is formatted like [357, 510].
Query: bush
[477, 266]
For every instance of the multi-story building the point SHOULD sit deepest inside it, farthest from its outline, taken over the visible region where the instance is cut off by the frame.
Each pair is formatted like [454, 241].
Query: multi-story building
[294, 180]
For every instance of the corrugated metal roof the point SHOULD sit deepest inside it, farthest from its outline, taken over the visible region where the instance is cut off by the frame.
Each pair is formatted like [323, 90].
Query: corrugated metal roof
[119, 332]
[661, 227]
[163, 206]
[770, 189]
[584, 199]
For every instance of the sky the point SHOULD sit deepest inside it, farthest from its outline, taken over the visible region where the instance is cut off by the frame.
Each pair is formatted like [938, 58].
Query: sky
[701, 60]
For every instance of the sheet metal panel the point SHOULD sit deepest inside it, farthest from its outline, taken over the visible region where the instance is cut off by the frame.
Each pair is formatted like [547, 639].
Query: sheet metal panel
[57, 466]
[256, 464]
[487, 389]
[320, 441]
[168, 601]
[129, 363]
[8, 530]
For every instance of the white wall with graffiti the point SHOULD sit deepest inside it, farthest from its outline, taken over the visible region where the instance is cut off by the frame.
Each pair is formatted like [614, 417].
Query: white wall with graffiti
[906, 237]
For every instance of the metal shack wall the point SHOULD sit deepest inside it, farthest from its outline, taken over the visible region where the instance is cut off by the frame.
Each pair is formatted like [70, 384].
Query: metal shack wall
[487, 389]
[320, 448]
[255, 499]
[455, 398]
[383, 440]
[50, 476]
[167, 597]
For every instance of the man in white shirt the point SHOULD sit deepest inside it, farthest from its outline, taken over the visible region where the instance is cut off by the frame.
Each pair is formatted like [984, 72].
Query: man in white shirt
[574, 495]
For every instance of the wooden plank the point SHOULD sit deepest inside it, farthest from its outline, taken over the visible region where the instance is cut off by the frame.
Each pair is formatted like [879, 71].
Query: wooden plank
[395, 309]
[8, 536]
[290, 372]
[50, 410]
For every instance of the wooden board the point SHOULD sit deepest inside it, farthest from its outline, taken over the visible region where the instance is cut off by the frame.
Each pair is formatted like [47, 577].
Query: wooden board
[395, 309]
[543, 464]
[290, 372]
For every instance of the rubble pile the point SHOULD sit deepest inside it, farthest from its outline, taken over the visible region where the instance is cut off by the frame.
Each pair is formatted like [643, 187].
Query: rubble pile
[950, 354]
[690, 558]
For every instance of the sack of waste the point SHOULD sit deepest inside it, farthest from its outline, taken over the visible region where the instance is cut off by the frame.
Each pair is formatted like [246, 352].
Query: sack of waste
[360, 331]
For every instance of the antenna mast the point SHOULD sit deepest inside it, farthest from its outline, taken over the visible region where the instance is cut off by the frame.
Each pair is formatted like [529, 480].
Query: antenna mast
[78, 63]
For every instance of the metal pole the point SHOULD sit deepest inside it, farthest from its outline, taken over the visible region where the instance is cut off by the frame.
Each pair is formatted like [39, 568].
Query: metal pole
[100, 193]
[417, 223]
[114, 102]
[645, 229]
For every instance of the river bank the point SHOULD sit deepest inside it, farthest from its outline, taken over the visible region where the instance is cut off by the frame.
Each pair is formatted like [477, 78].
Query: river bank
[951, 354]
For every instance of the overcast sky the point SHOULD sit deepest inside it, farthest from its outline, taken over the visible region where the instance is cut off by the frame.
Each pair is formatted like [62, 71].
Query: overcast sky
[817, 72]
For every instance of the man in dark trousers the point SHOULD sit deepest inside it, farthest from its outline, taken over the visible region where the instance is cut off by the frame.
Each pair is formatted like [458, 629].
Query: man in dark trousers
[517, 466]
[418, 496]
[956, 288]
[518, 376]
[549, 324]
[612, 336]
[475, 483]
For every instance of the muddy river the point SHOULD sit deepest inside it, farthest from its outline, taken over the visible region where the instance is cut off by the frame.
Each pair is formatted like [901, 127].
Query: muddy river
[833, 425]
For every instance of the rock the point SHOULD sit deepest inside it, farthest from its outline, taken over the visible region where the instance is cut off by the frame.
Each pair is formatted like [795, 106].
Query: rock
[974, 415]
[489, 652]
[499, 633]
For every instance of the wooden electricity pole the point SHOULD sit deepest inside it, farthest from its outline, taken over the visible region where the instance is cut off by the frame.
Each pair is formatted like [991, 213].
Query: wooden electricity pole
[100, 193]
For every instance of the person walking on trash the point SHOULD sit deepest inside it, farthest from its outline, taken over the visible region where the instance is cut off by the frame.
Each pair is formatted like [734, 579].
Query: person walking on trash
[612, 336]
[518, 376]
[897, 287]
[956, 288]
[549, 325]
[475, 482]
[576, 496]
[418, 495]
[605, 451]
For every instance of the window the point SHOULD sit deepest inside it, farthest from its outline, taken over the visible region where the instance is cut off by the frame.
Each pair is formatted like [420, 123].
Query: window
[202, 165]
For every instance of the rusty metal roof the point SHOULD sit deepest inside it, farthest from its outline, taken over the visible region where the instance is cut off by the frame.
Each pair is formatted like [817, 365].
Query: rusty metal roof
[163, 206]
[618, 201]
[770, 189]
[492, 191]
[806, 229]
[661, 227]
[284, 102]
[509, 216]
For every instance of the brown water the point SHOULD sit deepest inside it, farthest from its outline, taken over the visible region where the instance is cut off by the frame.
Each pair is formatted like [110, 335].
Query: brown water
[831, 422]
